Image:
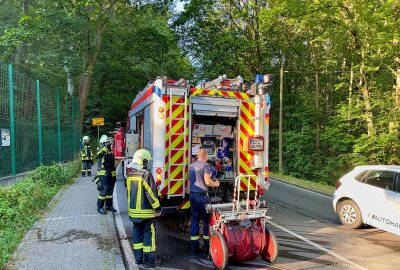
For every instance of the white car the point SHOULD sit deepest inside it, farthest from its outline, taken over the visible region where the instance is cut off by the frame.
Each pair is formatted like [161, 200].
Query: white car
[369, 195]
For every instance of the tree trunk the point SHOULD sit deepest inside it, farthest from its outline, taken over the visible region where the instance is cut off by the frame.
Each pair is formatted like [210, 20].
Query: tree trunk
[89, 63]
[317, 116]
[363, 86]
[22, 54]
[281, 118]
[351, 90]
[397, 88]
[70, 84]
[317, 101]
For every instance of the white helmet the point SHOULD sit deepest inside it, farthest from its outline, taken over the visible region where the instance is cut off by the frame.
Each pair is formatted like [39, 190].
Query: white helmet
[104, 139]
[85, 139]
[140, 158]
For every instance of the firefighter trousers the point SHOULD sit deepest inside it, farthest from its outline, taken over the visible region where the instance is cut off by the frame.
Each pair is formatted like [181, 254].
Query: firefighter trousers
[106, 194]
[86, 167]
[144, 240]
[198, 207]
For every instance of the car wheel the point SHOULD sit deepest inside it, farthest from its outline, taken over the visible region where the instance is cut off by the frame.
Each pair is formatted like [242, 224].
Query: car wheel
[350, 214]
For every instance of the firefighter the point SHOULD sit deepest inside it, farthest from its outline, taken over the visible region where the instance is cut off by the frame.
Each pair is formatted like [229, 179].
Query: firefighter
[101, 146]
[200, 180]
[86, 156]
[143, 207]
[106, 174]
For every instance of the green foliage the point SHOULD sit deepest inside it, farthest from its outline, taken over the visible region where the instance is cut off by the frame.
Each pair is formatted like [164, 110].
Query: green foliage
[23, 203]
[339, 84]
[145, 50]
[53, 175]
[348, 45]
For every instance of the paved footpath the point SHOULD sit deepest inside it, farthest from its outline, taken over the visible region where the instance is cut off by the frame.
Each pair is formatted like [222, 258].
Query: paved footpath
[71, 235]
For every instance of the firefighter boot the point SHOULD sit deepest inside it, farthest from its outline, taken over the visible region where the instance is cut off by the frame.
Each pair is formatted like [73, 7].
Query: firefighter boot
[151, 261]
[110, 208]
[101, 211]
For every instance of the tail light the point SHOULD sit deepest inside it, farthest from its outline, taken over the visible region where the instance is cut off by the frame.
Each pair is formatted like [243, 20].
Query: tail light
[338, 183]
[158, 177]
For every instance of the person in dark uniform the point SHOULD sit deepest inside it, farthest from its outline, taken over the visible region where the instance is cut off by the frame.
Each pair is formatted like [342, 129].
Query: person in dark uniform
[143, 207]
[86, 156]
[106, 174]
[200, 180]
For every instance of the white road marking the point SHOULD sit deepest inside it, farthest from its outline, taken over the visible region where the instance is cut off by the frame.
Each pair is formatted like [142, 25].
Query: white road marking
[330, 252]
[69, 217]
[303, 189]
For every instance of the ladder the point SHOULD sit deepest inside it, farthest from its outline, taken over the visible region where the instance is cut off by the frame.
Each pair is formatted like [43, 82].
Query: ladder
[178, 136]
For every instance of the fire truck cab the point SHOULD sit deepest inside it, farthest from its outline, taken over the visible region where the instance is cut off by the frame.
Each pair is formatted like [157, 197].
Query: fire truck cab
[225, 116]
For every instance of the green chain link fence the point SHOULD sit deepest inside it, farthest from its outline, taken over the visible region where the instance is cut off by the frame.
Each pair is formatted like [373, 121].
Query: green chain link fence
[39, 123]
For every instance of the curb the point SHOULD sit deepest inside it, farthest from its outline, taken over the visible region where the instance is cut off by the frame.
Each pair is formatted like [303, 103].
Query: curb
[126, 250]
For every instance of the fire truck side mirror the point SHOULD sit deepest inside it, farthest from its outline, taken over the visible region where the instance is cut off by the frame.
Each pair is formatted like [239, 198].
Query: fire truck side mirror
[253, 89]
[261, 86]
[269, 78]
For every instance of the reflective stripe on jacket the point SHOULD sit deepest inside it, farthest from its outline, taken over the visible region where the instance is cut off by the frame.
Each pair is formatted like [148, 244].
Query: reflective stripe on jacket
[86, 153]
[107, 161]
[142, 194]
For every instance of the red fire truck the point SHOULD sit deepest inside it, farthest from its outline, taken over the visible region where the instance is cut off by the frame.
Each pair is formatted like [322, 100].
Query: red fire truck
[227, 117]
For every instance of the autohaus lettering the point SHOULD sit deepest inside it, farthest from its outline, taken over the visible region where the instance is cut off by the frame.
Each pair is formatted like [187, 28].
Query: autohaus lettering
[386, 221]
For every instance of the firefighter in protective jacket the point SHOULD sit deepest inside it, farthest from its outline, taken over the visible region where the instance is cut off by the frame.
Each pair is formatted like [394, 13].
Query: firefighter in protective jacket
[86, 156]
[143, 207]
[106, 177]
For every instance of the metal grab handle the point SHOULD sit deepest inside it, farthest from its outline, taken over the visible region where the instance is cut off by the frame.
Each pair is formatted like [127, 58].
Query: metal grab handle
[237, 190]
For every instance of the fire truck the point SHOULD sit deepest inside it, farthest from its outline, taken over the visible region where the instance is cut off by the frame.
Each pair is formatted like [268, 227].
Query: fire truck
[227, 117]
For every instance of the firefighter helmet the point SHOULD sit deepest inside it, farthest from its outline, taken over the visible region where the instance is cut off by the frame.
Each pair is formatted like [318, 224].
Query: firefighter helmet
[85, 139]
[104, 139]
[141, 158]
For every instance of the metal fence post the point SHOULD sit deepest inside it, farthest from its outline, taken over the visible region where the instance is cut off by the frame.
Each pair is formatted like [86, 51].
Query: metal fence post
[12, 124]
[73, 125]
[58, 125]
[39, 115]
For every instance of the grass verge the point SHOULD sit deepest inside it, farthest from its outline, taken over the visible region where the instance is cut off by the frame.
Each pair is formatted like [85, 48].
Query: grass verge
[322, 187]
[23, 203]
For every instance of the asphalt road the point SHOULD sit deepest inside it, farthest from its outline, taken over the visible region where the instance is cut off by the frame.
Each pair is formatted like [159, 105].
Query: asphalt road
[308, 231]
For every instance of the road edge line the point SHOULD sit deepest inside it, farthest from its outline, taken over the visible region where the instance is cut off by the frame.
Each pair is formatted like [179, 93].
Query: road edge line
[330, 252]
[321, 193]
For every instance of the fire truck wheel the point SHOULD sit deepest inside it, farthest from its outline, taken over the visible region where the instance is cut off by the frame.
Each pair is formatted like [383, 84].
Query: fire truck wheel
[218, 250]
[271, 249]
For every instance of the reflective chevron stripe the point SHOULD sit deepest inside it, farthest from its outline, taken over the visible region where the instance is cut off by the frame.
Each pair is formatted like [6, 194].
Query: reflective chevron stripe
[177, 131]
[246, 129]
[231, 94]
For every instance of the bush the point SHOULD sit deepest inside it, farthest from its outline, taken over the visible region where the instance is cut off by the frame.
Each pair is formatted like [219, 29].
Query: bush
[22, 204]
